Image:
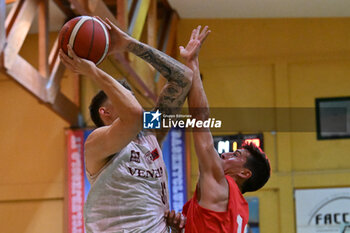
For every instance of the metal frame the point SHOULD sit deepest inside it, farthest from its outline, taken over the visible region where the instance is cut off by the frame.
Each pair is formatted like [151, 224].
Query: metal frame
[318, 102]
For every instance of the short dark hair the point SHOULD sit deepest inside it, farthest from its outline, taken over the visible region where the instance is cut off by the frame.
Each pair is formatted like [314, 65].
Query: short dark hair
[98, 100]
[259, 165]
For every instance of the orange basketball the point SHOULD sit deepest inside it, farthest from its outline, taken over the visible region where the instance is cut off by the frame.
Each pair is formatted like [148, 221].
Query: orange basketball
[88, 37]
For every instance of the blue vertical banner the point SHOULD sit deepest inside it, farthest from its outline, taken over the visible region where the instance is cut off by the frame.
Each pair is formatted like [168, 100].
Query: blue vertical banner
[253, 222]
[174, 154]
[87, 183]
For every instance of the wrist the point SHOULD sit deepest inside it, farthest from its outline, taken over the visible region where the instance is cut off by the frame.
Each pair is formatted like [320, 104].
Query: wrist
[193, 64]
[92, 71]
[130, 44]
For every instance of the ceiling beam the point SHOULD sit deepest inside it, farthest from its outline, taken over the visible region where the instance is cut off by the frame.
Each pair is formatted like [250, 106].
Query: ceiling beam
[139, 18]
[99, 8]
[32, 81]
[152, 31]
[19, 30]
[16, 28]
[123, 65]
[111, 2]
[166, 5]
[53, 84]
[152, 24]
[53, 55]
[122, 14]
[11, 17]
[43, 26]
[166, 44]
[26, 75]
[170, 35]
[67, 110]
[94, 8]
[64, 5]
[78, 8]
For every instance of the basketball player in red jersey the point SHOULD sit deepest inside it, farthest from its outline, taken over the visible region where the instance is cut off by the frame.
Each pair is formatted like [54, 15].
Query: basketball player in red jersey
[217, 204]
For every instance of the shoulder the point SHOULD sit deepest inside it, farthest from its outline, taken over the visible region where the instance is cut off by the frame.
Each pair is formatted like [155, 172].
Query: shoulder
[148, 136]
[94, 135]
[233, 187]
[235, 194]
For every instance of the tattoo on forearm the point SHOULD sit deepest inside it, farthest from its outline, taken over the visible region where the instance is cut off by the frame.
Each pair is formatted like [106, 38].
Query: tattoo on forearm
[170, 104]
[173, 90]
[174, 93]
[171, 69]
[149, 56]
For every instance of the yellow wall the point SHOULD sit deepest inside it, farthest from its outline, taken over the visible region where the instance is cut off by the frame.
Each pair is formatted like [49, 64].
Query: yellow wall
[32, 155]
[280, 63]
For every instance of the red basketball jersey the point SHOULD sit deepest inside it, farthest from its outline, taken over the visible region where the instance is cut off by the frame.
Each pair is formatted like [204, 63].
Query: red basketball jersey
[202, 220]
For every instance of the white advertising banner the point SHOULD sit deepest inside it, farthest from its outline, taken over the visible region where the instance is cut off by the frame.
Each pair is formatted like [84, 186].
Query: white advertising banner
[323, 210]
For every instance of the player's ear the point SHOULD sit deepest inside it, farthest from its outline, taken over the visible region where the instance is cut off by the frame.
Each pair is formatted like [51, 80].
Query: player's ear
[245, 173]
[104, 112]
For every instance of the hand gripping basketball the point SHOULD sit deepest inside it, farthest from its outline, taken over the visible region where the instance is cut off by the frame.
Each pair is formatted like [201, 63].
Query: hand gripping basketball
[75, 63]
[119, 39]
[88, 37]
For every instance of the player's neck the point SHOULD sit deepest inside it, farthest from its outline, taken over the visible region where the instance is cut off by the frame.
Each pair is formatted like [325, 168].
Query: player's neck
[239, 182]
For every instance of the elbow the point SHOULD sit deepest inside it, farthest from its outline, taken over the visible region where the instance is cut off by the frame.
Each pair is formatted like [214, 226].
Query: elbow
[134, 114]
[208, 147]
[204, 147]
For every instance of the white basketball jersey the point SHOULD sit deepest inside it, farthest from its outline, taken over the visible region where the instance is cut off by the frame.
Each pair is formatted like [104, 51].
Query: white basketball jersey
[130, 194]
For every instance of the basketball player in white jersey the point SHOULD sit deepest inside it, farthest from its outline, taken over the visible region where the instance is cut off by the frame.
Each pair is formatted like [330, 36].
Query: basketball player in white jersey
[125, 166]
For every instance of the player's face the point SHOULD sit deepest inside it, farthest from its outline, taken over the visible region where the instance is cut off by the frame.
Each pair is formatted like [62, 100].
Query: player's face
[234, 161]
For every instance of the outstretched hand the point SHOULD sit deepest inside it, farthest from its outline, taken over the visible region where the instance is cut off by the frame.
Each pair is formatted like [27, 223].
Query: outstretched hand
[175, 221]
[119, 39]
[190, 53]
[75, 63]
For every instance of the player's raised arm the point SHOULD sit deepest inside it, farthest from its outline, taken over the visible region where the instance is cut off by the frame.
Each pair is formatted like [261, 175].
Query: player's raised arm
[109, 139]
[179, 77]
[212, 175]
[208, 159]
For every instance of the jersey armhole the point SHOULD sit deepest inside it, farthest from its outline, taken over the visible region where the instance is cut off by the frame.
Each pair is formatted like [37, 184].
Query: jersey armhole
[93, 177]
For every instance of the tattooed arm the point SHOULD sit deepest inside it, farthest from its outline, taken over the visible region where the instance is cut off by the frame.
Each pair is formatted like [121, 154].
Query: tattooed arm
[179, 76]
[179, 80]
